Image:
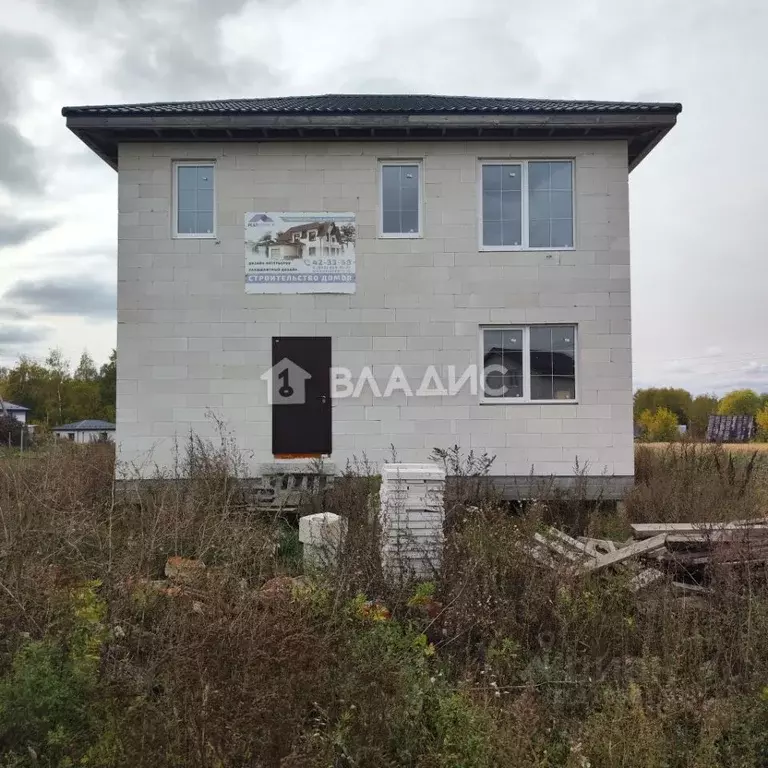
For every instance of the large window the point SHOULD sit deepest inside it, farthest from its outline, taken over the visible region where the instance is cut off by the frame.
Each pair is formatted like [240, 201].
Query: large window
[194, 210]
[526, 204]
[534, 363]
[400, 199]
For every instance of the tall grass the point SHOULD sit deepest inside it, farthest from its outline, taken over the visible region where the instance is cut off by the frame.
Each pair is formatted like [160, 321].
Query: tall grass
[497, 662]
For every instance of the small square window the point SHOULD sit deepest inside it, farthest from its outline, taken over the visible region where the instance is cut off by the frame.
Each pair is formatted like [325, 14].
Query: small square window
[194, 199]
[400, 196]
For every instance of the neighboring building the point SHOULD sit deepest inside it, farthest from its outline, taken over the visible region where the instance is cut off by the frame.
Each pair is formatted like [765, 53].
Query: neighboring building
[19, 412]
[485, 229]
[86, 431]
[731, 429]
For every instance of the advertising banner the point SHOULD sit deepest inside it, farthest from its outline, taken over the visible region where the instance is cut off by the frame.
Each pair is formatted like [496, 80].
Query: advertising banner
[300, 252]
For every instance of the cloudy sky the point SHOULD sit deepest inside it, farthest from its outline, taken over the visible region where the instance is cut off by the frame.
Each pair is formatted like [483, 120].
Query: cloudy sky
[700, 295]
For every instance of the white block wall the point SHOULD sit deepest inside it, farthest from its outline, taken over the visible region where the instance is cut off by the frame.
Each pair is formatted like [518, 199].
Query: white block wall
[191, 341]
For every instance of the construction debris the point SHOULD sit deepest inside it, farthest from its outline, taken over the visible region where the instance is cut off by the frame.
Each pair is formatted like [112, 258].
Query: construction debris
[681, 553]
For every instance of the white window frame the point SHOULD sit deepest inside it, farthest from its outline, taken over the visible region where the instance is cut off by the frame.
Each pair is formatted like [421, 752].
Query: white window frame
[525, 223]
[526, 398]
[400, 162]
[176, 164]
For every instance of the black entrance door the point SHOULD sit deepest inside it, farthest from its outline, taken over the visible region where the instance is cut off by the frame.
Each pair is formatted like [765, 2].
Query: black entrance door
[301, 395]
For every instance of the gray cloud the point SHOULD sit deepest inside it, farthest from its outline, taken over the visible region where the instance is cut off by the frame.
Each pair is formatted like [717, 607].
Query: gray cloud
[78, 296]
[17, 161]
[12, 313]
[14, 337]
[15, 231]
[171, 49]
[503, 64]
[19, 171]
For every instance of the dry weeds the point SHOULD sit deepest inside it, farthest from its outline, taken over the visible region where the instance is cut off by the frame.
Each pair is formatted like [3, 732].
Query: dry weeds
[498, 662]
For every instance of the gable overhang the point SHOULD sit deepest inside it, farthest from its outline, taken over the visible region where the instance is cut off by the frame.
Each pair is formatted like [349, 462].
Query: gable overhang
[104, 133]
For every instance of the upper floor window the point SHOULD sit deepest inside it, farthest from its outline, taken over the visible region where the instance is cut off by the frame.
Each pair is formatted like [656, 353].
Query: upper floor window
[401, 203]
[535, 363]
[194, 212]
[526, 204]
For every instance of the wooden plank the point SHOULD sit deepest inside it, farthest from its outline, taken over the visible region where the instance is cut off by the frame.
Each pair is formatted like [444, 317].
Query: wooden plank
[555, 546]
[649, 530]
[569, 541]
[633, 550]
[598, 547]
[682, 586]
[742, 536]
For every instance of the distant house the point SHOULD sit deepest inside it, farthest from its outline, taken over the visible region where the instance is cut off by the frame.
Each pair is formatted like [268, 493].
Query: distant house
[86, 431]
[730, 429]
[318, 239]
[19, 412]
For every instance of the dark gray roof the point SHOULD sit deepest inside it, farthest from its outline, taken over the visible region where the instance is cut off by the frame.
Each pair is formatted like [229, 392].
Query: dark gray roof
[347, 117]
[96, 425]
[730, 429]
[13, 407]
[371, 103]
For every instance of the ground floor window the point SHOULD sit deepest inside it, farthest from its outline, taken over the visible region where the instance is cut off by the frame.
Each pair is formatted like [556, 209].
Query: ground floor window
[535, 363]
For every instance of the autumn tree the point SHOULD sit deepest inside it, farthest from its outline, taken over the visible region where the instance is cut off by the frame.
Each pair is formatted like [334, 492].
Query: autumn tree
[761, 420]
[676, 400]
[659, 426]
[740, 402]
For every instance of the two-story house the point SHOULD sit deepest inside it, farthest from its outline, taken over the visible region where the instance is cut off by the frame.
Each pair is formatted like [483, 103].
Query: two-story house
[480, 295]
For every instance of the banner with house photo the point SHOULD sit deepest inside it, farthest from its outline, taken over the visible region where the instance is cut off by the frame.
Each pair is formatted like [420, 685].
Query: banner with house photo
[300, 252]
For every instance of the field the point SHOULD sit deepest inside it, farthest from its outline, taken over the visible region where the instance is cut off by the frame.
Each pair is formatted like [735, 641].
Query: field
[112, 655]
[729, 447]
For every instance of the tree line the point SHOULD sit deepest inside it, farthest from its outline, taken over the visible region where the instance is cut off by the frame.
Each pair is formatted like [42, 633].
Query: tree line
[660, 411]
[57, 394]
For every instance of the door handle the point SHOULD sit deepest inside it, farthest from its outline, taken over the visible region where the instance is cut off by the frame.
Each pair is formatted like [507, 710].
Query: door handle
[322, 398]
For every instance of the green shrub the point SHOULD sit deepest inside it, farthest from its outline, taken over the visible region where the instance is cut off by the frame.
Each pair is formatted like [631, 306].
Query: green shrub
[48, 699]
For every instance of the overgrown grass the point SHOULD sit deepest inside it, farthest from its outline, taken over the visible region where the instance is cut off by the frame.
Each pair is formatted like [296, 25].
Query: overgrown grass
[498, 662]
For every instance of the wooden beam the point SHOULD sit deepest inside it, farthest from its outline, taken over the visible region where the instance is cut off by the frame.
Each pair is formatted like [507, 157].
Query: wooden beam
[720, 536]
[598, 547]
[569, 541]
[633, 550]
[647, 530]
[555, 546]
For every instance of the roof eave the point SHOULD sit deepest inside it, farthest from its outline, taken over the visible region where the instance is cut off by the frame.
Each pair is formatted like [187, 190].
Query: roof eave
[103, 133]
